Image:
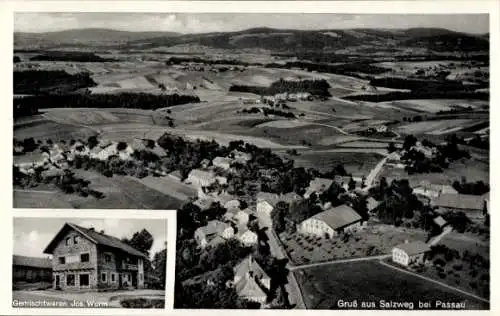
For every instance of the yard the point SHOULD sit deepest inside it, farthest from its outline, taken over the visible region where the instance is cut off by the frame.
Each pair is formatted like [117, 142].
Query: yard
[359, 164]
[370, 281]
[373, 240]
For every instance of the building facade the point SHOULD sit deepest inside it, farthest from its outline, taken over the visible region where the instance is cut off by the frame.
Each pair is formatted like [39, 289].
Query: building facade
[84, 259]
[410, 253]
[31, 269]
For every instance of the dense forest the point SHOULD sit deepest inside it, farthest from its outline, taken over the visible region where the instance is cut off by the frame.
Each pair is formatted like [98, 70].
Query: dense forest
[30, 104]
[314, 87]
[50, 81]
[69, 56]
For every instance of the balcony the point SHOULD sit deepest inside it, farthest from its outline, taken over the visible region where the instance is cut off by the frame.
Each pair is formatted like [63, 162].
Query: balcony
[129, 266]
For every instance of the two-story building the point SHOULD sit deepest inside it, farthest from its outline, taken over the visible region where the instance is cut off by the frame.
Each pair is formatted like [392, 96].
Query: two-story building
[84, 259]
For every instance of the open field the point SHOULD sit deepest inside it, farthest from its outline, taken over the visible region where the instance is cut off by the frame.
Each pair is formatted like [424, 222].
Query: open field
[170, 187]
[358, 164]
[34, 199]
[434, 127]
[473, 170]
[43, 130]
[370, 281]
[372, 240]
[436, 105]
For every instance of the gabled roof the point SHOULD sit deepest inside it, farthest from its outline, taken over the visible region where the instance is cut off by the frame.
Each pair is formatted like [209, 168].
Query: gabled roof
[34, 262]
[440, 221]
[414, 248]
[248, 287]
[249, 265]
[213, 227]
[290, 197]
[95, 237]
[202, 174]
[338, 217]
[270, 198]
[221, 160]
[460, 201]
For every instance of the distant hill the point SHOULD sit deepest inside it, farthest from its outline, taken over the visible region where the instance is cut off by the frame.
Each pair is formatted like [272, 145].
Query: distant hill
[90, 36]
[328, 40]
[277, 40]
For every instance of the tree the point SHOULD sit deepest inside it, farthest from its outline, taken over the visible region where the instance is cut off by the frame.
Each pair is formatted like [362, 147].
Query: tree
[352, 184]
[391, 148]
[142, 241]
[160, 265]
[92, 142]
[278, 216]
[409, 142]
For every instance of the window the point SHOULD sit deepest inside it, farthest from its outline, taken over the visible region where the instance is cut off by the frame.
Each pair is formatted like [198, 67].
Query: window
[70, 280]
[62, 260]
[84, 257]
[113, 276]
[107, 257]
[76, 240]
[68, 241]
[84, 280]
[103, 276]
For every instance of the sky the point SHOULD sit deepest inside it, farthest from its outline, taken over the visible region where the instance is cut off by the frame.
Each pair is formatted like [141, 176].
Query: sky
[32, 235]
[224, 22]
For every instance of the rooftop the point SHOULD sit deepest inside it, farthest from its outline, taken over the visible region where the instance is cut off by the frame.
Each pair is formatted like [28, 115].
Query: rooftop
[338, 217]
[414, 247]
[460, 201]
[44, 263]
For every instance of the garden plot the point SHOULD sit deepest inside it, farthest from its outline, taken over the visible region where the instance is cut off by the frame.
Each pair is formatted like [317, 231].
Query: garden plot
[372, 240]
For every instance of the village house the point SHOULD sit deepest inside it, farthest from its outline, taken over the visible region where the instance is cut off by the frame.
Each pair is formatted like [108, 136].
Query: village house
[250, 281]
[204, 235]
[410, 252]
[440, 222]
[432, 191]
[201, 178]
[474, 206]
[265, 205]
[31, 269]
[318, 186]
[84, 259]
[241, 157]
[331, 222]
[222, 162]
[104, 153]
[246, 236]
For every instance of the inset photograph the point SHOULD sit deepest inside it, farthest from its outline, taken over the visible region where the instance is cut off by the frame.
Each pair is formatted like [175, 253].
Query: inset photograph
[89, 263]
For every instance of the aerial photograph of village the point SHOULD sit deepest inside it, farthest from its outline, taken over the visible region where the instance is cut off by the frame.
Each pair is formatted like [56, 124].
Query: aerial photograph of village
[315, 161]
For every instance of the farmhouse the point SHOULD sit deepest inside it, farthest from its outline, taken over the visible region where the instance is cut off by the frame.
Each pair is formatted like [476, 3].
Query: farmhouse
[474, 206]
[31, 269]
[241, 157]
[84, 259]
[331, 222]
[318, 186]
[432, 191]
[410, 253]
[104, 153]
[266, 202]
[222, 162]
[201, 178]
[204, 235]
[250, 280]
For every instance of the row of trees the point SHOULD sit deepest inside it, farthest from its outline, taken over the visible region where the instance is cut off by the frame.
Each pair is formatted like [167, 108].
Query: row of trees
[315, 87]
[268, 111]
[50, 81]
[123, 100]
[72, 56]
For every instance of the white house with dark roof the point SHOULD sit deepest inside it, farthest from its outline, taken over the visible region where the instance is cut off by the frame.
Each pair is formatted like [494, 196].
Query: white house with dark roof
[265, 205]
[331, 222]
[410, 252]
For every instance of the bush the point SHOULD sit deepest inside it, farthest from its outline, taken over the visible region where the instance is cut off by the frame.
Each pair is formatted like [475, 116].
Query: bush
[142, 303]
